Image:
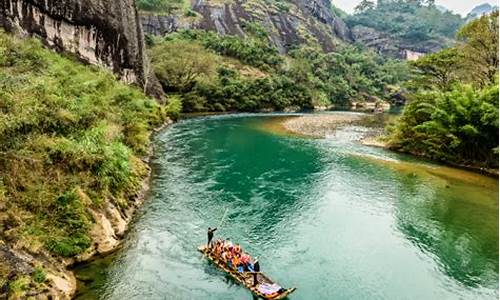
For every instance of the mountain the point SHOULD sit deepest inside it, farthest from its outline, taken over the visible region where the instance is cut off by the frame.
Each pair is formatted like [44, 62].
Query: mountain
[288, 23]
[405, 30]
[480, 10]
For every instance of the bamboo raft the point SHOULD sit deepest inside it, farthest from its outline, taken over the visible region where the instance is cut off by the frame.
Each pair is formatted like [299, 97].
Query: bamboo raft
[246, 278]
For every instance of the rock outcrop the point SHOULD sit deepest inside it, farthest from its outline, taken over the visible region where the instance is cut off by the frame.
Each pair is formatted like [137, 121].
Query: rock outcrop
[288, 23]
[106, 33]
[388, 45]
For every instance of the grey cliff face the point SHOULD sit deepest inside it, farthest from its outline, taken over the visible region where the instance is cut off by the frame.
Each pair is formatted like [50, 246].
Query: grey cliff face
[288, 25]
[107, 33]
[391, 46]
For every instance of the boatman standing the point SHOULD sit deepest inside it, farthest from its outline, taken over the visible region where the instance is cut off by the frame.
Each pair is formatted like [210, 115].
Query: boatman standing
[210, 236]
[256, 270]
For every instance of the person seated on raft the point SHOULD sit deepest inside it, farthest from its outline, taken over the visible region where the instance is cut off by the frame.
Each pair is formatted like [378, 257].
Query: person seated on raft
[235, 261]
[237, 249]
[218, 248]
[245, 260]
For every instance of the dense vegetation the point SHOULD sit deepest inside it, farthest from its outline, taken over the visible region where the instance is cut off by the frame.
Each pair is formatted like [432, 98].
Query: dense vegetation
[71, 136]
[411, 20]
[453, 113]
[209, 72]
[160, 6]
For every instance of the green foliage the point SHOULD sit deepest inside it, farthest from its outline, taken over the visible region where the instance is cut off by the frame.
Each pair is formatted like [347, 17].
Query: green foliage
[453, 113]
[68, 246]
[179, 64]
[70, 136]
[305, 78]
[18, 287]
[254, 51]
[438, 70]
[480, 48]
[160, 6]
[174, 107]
[460, 126]
[412, 20]
[350, 73]
[339, 12]
[39, 275]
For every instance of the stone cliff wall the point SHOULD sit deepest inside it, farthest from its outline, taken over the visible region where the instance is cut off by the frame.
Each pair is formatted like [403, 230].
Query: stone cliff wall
[300, 21]
[388, 45]
[106, 33]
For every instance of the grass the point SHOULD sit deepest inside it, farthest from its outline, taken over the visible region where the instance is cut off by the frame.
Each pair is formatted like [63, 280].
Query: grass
[71, 137]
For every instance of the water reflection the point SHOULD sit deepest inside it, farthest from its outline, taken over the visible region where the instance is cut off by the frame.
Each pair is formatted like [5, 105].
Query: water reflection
[450, 223]
[258, 177]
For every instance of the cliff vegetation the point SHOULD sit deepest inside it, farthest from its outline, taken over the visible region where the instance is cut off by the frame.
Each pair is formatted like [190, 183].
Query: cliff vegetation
[452, 114]
[210, 72]
[71, 140]
[391, 26]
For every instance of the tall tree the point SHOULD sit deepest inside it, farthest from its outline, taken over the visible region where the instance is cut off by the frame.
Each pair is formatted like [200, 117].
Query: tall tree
[480, 47]
[438, 70]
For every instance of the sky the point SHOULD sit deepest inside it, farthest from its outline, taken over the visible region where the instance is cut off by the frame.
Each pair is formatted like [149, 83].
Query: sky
[462, 7]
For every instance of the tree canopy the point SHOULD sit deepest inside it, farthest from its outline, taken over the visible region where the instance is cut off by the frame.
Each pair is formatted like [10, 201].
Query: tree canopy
[453, 111]
[411, 20]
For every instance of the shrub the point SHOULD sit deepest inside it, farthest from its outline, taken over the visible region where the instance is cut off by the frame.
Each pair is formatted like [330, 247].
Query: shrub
[70, 136]
[39, 275]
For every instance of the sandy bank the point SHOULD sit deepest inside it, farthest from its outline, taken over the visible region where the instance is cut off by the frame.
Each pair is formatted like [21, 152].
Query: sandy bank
[321, 125]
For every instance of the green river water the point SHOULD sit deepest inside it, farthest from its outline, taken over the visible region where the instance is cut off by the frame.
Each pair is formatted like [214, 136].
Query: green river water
[334, 218]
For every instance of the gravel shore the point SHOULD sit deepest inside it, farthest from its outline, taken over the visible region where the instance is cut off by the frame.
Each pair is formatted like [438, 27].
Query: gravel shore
[320, 125]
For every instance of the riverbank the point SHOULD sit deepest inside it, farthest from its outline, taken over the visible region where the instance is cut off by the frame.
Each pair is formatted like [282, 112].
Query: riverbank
[325, 125]
[74, 166]
[320, 125]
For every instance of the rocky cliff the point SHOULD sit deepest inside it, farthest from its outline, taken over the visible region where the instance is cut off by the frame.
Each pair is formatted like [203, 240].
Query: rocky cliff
[288, 23]
[101, 32]
[388, 45]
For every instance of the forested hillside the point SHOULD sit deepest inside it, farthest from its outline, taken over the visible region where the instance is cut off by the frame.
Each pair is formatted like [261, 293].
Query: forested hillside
[395, 26]
[209, 72]
[453, 112]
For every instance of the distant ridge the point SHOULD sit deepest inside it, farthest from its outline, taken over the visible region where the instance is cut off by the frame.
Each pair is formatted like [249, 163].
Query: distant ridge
[480, 10]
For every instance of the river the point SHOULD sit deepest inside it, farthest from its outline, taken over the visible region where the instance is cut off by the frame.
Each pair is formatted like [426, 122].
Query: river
[334, 218]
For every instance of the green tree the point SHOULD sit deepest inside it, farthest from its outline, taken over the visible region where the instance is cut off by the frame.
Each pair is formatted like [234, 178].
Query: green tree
[438, 69]
[480, 47]
[179, 64]
[459, 126]
[364, 5]
[453, 115]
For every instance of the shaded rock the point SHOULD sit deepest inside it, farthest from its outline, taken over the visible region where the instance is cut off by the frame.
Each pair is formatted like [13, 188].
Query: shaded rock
[388, 45]
[106, 33]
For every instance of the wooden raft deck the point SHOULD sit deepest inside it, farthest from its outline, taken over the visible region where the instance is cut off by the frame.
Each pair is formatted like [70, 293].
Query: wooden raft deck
[245, 278]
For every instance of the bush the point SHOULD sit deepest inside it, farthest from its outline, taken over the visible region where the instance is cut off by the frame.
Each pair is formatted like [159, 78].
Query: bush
[459, 126]
[70, 136]
[39, 275]
[306, 78]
